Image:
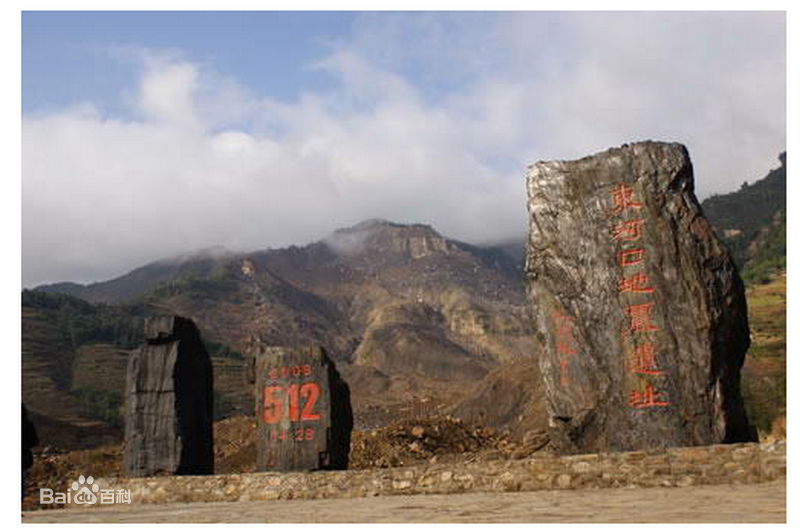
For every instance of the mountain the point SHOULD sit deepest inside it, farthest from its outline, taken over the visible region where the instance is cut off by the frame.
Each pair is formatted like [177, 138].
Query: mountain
[406, 312]
[752, 222]
[74, 358]
[367, 279]
[413, 319]
[143, 279]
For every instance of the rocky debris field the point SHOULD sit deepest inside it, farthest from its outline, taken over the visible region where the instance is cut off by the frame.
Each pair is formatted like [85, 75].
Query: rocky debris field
[438, 440]
[405, 442]
[735, 464]
[401, 443]
[649, 476]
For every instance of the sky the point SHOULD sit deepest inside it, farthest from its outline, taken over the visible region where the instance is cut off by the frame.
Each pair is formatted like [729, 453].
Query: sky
[147, 135]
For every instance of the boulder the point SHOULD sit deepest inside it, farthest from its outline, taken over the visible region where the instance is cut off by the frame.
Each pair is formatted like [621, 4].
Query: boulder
[303, 414]
[169, 402]
[639, 310]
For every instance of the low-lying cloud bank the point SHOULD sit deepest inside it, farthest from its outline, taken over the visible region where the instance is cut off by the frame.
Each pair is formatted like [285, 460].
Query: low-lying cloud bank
[428, 118]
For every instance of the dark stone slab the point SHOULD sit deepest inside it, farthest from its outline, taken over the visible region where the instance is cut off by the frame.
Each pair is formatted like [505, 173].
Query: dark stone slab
[29, 439]
[169, 402]
[639, 309]
[304, 417]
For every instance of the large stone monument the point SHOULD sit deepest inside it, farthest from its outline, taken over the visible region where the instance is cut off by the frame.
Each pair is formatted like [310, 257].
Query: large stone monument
[303, 412]
[169, 402]
[639, 309]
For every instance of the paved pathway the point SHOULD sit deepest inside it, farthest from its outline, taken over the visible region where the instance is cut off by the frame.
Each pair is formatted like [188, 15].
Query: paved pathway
[765, 502]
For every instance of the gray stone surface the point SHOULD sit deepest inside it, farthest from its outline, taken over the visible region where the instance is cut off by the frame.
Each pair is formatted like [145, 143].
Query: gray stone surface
[169, 402]
[730, 464]
[639, 309]
[303, 411]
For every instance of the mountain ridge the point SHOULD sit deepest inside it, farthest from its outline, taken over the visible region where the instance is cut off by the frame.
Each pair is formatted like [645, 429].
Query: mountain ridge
[370, 236]
[407, 313]
[400, 308]
[746, 218]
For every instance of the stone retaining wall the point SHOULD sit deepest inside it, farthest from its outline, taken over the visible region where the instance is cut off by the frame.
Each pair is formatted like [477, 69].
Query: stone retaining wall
[675, 467]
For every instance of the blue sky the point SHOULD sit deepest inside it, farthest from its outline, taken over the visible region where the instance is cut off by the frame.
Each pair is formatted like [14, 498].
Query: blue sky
[76, 56]
[147, 135]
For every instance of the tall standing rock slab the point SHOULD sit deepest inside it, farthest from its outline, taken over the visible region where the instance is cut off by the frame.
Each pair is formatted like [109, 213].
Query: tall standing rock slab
[639, 309]
[169, 402]
[303, 411]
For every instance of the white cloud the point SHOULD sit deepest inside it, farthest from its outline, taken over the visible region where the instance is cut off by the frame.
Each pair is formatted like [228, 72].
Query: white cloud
[208, 162]
[167, 95]
[713, 81]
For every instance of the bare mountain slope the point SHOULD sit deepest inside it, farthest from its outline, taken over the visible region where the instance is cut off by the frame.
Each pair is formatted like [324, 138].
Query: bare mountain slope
[406, 312]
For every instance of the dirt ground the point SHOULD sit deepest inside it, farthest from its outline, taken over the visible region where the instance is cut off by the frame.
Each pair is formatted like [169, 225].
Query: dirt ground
[765, 502]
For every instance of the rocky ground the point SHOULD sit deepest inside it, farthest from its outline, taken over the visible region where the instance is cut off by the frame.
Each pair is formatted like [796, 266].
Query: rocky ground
[724, 483]
[404, 442]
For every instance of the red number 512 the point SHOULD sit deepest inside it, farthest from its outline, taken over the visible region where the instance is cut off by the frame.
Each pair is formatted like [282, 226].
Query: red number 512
[273, 402]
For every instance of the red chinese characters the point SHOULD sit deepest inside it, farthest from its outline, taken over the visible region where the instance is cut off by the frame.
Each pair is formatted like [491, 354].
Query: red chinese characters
[646, 398]
[566, 344]
[630, 257]
[628, 231]
[565, 340]
[563, 377]
[622, 197]
[643, 360]
[636, 283]
[640, 319]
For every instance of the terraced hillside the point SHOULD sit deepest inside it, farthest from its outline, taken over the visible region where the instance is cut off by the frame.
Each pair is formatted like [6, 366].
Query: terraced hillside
[410, 317]
[764, 373]
[74, 359]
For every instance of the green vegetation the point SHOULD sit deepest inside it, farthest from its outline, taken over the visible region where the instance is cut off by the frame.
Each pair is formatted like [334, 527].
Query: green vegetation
[220, 284]
[764, 373]
[765, 399]
[768, 259]
[81, 322]
[101, 405]
[55, 301]
[119, 330]
[220, 350]
[749, 210]
[759, 212]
